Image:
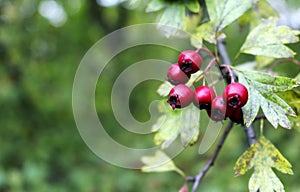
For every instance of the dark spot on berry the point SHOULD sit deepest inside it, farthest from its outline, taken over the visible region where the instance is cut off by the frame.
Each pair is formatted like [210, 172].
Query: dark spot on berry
[234, 101]
[187, 66]
[174, 101]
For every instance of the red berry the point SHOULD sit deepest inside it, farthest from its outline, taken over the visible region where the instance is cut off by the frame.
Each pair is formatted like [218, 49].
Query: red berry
[236, 115]
[189, 61]
[218, 109]
[203, 95]
[176, 75]
[180, 96]
[236, 95]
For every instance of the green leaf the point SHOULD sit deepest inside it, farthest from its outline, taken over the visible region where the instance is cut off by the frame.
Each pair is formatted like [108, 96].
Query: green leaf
[268, 39]
[222, 13]
[263, 156]
[251, 109]
[293, 99]
[272, 83]
[131, 3]
[263, 61]
[155, 5]
[275, 114]
[205, 32]
[173, 19]
[262, 89]
[261, 10]
[164, 89]
[160, 162]
[298, 77]
[193, 5]
[174, 123]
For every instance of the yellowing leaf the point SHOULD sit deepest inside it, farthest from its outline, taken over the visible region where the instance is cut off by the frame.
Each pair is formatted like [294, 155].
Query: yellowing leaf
[263, 156]
[268, 39]
[179, 122]
[160, 162]
[222, 13]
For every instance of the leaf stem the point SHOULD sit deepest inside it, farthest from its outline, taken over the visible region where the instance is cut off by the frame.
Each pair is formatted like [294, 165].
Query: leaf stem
[198, 178]
[261, 126]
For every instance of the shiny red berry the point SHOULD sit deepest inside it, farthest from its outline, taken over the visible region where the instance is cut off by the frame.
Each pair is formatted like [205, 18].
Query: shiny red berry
[176, 75]
[236, 95]
[218, 109]
[189, 61]
[236, 115]
[203, 96]
[180, 96]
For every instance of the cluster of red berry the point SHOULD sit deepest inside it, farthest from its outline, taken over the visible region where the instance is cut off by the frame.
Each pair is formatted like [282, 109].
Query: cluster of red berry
[234, 96]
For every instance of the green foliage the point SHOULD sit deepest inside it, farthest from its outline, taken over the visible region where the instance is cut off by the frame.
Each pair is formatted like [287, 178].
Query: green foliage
[268, 39]
[174, 123]
[155, 5]
[41, 149]
[223, 13]
[261, 10]
[193, 5]
[262, 89]
[292, 97]
[160, 162]
[262, 156]
[206, 32]
[173, 17]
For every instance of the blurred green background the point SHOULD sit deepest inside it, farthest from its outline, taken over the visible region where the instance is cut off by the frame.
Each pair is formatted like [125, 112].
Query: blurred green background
[41, 46]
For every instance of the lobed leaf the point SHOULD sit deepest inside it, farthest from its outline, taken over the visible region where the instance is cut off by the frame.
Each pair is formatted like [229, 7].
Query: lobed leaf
[251, 109]
[263, 156]
[264, 180]
[293, 99]
[268, 39]
[181, 122]
[223, 13]
[277, 83]
[262, 89]
[275, 114]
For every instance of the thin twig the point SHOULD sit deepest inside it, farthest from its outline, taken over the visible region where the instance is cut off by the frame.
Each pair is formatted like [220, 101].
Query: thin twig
[222, 51]
[292, 60]
[250, 134]
[198, 178]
